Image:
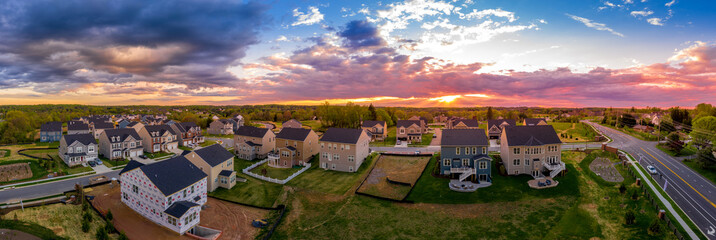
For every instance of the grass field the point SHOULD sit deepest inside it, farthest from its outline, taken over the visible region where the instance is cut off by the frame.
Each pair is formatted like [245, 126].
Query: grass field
[579, 132]
[313, 124]
[156, 154]
[207, 143]
[389, 140]
[688, 150]
[62, 219]
[272, 172]
[253, 191]
[636, 134]
[333, 182]
[397, 168]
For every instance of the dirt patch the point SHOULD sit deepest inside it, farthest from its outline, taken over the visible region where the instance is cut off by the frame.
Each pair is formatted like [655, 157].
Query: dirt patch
[604, 168]
[15, 171]
[58, 231]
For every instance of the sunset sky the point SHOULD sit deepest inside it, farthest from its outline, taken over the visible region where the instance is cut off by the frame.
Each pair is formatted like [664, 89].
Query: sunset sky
[390, 53]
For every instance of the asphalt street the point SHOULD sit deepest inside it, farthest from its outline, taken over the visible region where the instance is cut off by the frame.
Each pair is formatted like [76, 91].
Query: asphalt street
[47, 189]
[694, 194]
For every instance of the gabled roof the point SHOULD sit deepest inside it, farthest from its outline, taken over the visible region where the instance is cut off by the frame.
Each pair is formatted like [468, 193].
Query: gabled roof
[76, 126]
[214, 154]
[467, 122]
[342, 135]
[531, 135]
[84, 138]
[131, 165]
[406, 123]
[226, 121]
[178, 209]
[188, 125]
[51, 127]
[464, 137]
[122, 133]
[225, 173]
[103, 125]
[292, 120]
[251, 131]
[373, 123]
[161, 129]
[172, 175]
[298, 134]
[498, 122]
[533, 121]
[131, 124]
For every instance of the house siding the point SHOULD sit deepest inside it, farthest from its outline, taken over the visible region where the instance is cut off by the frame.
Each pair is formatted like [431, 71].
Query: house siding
[211, 172]
[244, 151]
[329, 151]
[543, 155]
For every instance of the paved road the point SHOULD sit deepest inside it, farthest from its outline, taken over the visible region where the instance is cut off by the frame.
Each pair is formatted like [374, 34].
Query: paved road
[694, 194]
[46, 189]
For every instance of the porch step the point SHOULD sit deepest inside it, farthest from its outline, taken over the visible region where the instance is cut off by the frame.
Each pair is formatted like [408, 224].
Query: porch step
[466, 174]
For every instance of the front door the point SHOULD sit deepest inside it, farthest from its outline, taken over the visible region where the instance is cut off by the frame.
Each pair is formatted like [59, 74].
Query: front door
[483, 177]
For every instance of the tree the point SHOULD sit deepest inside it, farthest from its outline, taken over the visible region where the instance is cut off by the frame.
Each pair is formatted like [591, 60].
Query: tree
[122, 236]
[489, 113]
[704, 131]
[102, 233]
[629, 217]
[85, 225]
[109, 215]
[622, 188]
[373, 113]
[627, 120]
[705, 158]
[674, 143]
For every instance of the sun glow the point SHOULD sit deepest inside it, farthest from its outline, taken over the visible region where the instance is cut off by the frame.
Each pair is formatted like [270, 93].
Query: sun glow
[446, 99]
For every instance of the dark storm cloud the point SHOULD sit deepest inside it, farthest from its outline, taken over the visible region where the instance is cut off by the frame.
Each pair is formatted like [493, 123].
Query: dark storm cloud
[360, 34]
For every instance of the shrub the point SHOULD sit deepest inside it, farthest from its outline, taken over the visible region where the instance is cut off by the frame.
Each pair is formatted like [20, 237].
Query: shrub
[122, 236]
[622, 189]
[635, 195]
[109, 215]
[101, 234]
[655, 227]
[87, 216]
[85, 225]
[109, 227]
[629, 217]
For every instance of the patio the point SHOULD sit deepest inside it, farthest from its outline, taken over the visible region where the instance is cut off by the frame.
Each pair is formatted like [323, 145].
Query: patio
[467, 186]
[542, 183]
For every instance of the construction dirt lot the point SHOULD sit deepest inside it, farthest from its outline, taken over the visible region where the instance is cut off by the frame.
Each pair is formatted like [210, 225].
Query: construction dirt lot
[232, 219]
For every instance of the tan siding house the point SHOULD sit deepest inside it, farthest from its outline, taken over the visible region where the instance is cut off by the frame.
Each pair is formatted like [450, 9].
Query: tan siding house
[213, 160]
[408, 130]
[294, 147]
[253, 143]
[377, 129]
[344, 149]
[533, 150]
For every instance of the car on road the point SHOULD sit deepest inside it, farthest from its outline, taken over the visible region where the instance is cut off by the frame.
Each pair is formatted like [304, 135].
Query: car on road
[651, 169]
[417, 152]
[435, 135]
[92, 164]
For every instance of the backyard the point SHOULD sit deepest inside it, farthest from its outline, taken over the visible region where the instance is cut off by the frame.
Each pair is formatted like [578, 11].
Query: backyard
[253, 192]
[403, 169]
[62, 219]
[272, 172]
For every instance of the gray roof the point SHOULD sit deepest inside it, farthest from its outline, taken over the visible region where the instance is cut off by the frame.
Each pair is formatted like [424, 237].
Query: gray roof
[464, 137]
[467, 122]
[498, 122]
[214, 154]
[298, 134]
[159, 128]
[76, 126]
[131, 165]
[406, 123]
[250, 143]
[534, 121]
[122, 133]
[226, 121]
[188, 125]
[178, 209]
[225, 173]
[531, 135]
[342, 135]
[84, 138]
[173, 175]
[373, 123]
[103, 125]
[51, 127]
[292, 120]
[251, 131]
[131, 124]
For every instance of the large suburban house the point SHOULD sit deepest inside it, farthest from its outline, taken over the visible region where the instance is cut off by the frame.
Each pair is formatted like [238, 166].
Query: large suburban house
[408, 130]
[463, 124]
[464, 155]
[157, 138]
[187, 133]
[239, 120]
[217, 163]
[377, 129]
[423, 123]
[77, 149]
[99, 127]
[253, 143]
[534, 121]
[77, 127]
[51, 132]
[534, 150]
[294, 147]
[121, 143]
[494, 127]
[170, 193]
[292, 123]
[136, 125]
[221, 127]
[344, 149]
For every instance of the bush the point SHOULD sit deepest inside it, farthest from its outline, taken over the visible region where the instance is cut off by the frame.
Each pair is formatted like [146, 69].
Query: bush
[102, 234]
[655, 227]
[85, 225]
[635, 195]
[87, 217]
[109, 227]
[622, 189]
[122, 236]
[629, 217]
[109, 215]
[503, 171]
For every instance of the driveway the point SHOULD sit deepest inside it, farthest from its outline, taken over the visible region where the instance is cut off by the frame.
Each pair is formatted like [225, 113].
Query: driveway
[101, 168]
[436, 140]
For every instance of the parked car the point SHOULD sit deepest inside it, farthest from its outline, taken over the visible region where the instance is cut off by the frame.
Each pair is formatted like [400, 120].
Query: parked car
[651, 169]
[92, 163]
[142, 157]
[417, 152]
[99, 162]
[398, 142]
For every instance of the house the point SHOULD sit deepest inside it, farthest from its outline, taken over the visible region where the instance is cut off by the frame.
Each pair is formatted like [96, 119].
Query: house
[440, 119]
[253, 143]
[344, 149]
[423, 123]
[534, 121]
[99, 127]
[136, 125]
[643, 128]
[156, 138]
[217, 163]
[221, 127]
[408, 130]
[77, 127]
[294, 147]
[463, 124]
[239, 120]
[656, 118]
[123, 123]
[51, 132]
[170, 193]
[494, 127]
[121, 143]
[293, 123]
[464, 155]
[376, 129]
[188, 133]
[534, 150]
[77, 149]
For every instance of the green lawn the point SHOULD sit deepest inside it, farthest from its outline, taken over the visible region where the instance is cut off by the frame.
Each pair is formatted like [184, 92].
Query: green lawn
[389, 140]
[708, 172]
[253, 191]
[207, 143]
[30, 227]
[275, 173]
[579, 132]
[686, 151]
[114, 163]
[424, 141]
[156, 154]
[327, 181]
[314, 124]
[636, 134]
[48, 144]
[185, 148]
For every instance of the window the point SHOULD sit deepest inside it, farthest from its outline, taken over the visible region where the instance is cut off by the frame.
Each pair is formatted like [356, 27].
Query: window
[474, 150]
[171, 220]
[69, 149]
[348, 147]
[351, 158]
[90, 149]
[483, 165]
[446, 162]
[350, 168]
[135, 189]
[327, 156]
[125, 196]
[516, 162]
[333, 166]
[402, 130]
[78, 149]
[467, 150]
[516, 150]
[527, 162]
[484, 150]
[465, 162]
[321, 145]
[336, 157]
[457, 151]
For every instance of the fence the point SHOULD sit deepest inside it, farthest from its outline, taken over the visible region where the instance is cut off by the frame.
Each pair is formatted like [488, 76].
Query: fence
[269, 179]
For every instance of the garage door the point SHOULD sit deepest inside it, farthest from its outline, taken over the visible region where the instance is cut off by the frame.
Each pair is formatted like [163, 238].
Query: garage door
[133, 154]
